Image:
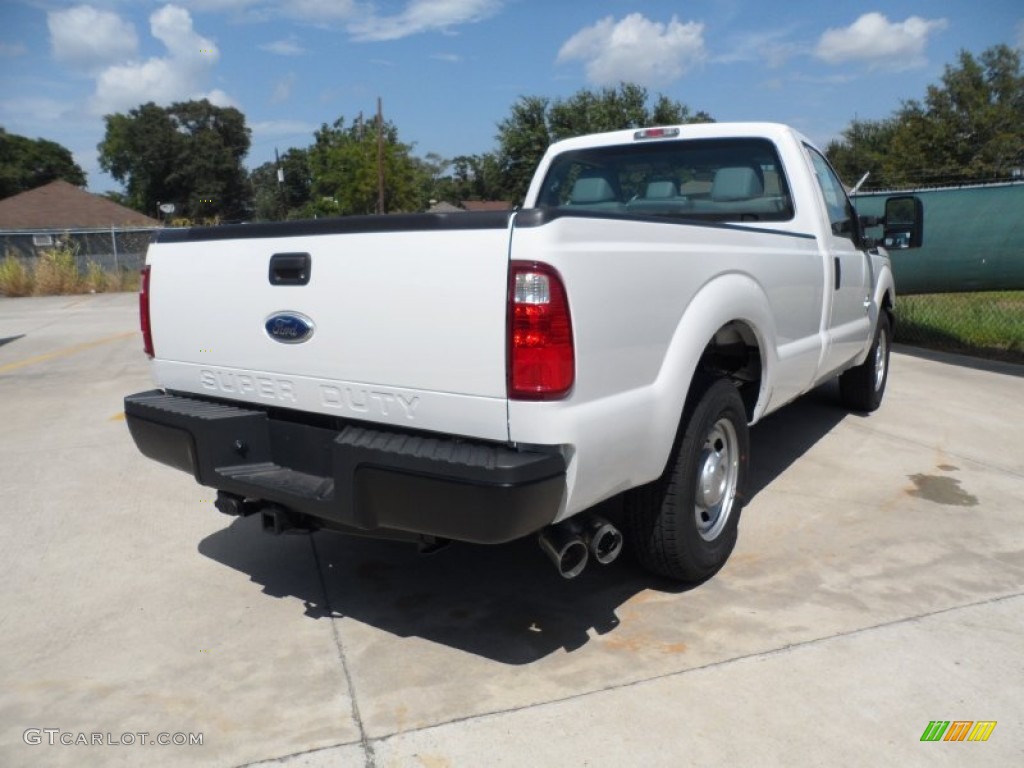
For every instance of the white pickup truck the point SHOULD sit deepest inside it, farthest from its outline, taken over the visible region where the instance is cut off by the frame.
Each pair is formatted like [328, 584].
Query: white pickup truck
[484, 377]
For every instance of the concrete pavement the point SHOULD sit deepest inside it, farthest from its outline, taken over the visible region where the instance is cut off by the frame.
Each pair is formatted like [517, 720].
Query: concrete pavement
[878, 585]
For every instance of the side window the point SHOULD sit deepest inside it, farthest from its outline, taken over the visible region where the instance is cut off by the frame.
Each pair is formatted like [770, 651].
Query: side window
[840, 211]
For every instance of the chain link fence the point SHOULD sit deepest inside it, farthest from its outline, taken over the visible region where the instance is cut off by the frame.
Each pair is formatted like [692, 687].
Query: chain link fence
[987, 324]
[71, 261]
[112, 250]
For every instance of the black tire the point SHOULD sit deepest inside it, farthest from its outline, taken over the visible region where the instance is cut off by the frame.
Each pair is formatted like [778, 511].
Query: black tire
[676, 526]
[862, 388]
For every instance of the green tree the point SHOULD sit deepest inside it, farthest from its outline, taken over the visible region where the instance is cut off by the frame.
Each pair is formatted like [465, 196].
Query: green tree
[343, 163]
[969, 127]
[189, 154]
[470, 177]
[536, 122]
[289, 198]
[522, 138]
[864, 147]
[29, 163]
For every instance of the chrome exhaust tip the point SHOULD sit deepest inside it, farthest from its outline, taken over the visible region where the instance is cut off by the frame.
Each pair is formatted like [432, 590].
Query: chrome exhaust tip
[565, 548]
[604, 540]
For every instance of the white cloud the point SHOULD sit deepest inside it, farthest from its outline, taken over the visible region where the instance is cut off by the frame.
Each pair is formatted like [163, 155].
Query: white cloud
[636, 50]
[221, 5]
[422, 16]
[880, 43]
[773, 47]
[179, 75]
[271, 129]
[35, 111]
[89, 38]
[451, 58]
[283, 89]
[287, 47]
[360, 18]
[823, 79]
[320, 11]
[218, 98]
[12, 50]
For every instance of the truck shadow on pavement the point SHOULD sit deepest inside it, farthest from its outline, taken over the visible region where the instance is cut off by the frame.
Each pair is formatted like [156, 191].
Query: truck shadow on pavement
[505, 603]
[782, 438]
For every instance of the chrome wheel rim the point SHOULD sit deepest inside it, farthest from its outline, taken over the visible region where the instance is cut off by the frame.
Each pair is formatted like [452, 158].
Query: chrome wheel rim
[717, 477]
[881, 359]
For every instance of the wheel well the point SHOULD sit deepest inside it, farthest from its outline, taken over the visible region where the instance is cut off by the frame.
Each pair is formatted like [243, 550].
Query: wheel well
[888, 309]
[732, 353]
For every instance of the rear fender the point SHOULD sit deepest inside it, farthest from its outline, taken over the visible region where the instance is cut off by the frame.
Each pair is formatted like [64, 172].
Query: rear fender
[729, 298]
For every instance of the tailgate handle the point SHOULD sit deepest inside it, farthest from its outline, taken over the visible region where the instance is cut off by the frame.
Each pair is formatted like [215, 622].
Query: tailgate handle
[290, 268]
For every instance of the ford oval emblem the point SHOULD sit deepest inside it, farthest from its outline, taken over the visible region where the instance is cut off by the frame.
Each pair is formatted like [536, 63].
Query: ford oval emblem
[289, 327]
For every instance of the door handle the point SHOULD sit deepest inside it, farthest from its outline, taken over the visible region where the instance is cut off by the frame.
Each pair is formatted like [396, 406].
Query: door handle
[290, 268]
[839, 271]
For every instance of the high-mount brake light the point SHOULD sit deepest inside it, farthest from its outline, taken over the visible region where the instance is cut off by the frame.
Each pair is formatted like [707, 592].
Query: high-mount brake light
[541, 356]
[656, 133]
[147, 328]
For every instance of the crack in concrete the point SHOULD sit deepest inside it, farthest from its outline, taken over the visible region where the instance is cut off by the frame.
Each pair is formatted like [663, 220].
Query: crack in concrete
[919, 444]
[364, 741]
[711, 665]
[367, 743]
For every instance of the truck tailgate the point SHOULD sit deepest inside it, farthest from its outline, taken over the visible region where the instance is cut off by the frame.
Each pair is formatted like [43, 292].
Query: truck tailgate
[407, 315]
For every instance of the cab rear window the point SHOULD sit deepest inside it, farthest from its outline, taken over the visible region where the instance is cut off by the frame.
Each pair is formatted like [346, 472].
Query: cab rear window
[715, 179]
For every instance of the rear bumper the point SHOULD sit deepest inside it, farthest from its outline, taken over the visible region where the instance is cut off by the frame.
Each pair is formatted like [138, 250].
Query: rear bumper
[365, 480]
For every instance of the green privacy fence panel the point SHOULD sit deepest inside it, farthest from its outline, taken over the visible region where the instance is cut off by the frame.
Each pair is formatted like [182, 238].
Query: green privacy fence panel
[973, 239]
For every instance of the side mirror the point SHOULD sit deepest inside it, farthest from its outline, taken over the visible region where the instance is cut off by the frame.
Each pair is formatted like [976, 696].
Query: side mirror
[903, 225]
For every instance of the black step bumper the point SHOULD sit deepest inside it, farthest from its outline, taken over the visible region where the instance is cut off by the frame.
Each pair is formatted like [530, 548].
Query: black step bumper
[355, 478]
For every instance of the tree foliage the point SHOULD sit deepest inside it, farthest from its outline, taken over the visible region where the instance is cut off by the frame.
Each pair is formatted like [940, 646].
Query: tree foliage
[343, 165]
[536, 122]
[969, 127]
[472, 177]
[29, 163]
[287, 198]
[189, 154]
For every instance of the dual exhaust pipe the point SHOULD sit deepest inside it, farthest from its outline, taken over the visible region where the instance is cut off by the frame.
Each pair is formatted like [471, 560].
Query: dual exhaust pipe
[571, 544]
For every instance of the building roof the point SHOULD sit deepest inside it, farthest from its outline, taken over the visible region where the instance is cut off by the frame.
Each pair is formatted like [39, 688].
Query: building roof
[443, 207]
[60, 205]
[487, 205]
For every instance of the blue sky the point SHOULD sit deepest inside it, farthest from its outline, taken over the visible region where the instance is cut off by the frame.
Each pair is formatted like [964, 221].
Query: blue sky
[449, 70]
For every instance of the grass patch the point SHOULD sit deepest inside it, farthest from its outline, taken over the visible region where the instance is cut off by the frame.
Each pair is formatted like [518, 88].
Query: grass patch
[15, 278]
[987, 325]
[56, 273]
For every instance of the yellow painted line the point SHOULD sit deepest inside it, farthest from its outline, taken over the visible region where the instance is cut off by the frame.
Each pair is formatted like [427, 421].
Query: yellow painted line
[67, 351]
[117, 417]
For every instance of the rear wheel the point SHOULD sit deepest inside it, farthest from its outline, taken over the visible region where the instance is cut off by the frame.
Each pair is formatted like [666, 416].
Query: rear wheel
[683, 525]
[862, 388]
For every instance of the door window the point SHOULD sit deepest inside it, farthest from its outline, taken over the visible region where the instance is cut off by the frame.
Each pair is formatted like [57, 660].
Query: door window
[841, 214]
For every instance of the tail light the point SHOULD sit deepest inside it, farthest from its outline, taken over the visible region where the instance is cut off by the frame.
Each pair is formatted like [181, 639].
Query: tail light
[541, 358]
[147, 331]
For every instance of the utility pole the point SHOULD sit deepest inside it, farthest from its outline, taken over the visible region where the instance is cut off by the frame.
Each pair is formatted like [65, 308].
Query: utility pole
[380, 156]
[280, 184]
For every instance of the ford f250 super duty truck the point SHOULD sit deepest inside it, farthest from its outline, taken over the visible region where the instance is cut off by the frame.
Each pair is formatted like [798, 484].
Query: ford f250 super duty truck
[484, 377]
